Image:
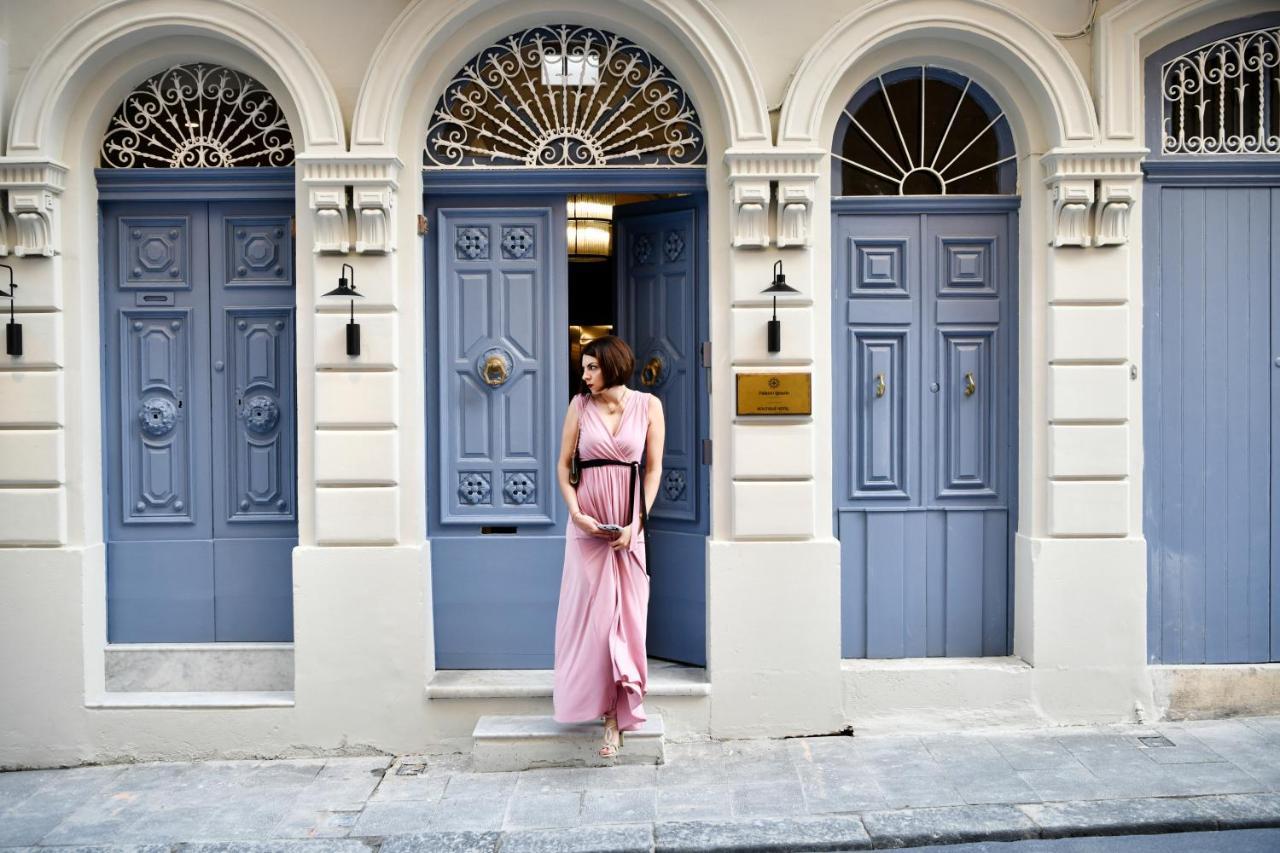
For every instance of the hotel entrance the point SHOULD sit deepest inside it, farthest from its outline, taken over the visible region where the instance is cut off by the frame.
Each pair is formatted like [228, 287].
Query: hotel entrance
[565, 198]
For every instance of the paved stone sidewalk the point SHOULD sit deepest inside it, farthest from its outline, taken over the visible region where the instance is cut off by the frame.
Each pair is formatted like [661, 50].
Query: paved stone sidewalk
[822, 793]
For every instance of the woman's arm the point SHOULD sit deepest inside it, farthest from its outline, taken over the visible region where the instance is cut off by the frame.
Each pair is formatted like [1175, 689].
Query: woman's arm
[654, 441]
[568, 444]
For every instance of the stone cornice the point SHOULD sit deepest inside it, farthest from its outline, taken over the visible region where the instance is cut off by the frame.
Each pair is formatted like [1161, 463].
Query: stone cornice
[1092, 163]
[373, 182]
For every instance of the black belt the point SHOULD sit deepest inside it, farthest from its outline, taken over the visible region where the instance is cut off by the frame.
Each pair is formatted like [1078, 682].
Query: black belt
[631, 494]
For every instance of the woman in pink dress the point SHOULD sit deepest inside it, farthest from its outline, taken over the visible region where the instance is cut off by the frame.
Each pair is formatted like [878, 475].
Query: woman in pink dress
[600, 663]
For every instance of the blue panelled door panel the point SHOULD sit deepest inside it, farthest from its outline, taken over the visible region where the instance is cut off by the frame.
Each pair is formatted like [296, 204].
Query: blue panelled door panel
[1212, 334]
[659, 262]
[200, 447]
[924, 336]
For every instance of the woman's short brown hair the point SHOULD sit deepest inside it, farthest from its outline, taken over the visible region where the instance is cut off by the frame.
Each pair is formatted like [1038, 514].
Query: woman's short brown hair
[616, 359]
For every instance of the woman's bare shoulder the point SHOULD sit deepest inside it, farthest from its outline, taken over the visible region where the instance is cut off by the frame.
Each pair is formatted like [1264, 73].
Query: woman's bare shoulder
[655, 405]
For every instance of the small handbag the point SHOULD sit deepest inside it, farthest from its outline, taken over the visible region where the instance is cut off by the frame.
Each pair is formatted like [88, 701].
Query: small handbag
[575, 464]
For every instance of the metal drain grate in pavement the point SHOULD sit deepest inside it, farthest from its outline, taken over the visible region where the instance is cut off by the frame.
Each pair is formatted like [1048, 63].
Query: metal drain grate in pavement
[1155, 740]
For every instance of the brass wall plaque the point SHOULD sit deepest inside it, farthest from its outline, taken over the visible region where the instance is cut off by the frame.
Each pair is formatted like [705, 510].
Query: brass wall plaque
[775, 393]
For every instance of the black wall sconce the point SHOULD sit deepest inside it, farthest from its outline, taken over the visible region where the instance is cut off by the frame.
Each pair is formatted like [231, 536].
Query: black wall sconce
[779, 286]
[349, 290]
[12, 330]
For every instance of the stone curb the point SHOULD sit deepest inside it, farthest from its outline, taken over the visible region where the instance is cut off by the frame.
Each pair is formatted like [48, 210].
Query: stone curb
[879, 830]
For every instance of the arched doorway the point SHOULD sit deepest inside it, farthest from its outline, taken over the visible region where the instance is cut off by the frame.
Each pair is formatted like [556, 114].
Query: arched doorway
[199, 433]
[1211, 321]
[564, 182]
[924, 234]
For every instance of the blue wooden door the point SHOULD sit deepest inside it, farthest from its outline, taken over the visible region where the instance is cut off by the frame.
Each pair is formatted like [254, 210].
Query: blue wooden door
[497, 342]
[659, 262]
[199, 452]
[924, 336]
[1212, 350]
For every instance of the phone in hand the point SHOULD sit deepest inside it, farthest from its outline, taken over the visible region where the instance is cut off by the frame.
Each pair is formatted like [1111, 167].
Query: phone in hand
[613, 530]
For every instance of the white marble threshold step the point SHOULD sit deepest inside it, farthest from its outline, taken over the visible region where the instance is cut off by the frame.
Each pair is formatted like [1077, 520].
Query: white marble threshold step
[530, 741]
[191, 699]
[665, 679]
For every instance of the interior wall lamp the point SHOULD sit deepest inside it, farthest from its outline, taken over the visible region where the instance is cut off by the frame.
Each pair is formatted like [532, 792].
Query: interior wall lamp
[779, 286]
[347, 287]
[12, 330]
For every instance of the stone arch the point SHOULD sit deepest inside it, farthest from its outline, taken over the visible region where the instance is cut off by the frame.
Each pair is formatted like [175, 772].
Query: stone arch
[1134, 30]
[431, 27]
[105, 35]
[1044, 71]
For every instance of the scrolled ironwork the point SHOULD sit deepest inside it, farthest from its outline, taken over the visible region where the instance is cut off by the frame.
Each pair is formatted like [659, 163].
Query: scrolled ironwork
[564, 96]
[1223, 97]
[198, 116]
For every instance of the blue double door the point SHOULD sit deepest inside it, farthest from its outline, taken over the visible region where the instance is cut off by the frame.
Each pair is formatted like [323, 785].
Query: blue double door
[1211, 503]
[199, 420]
[924, 336]
[498, 343]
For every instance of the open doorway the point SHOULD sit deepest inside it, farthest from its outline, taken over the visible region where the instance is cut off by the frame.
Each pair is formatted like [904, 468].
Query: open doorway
[507, 314]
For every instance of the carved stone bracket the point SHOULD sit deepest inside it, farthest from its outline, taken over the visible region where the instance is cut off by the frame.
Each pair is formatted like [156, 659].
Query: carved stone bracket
[1115, 204]
[1069, 217]
[752, 174]
[374, 232]
[1091, 195]
[795, 207]
[33, 189]
[329, 210]
[4, 225]
[373, 182]
[751, 213]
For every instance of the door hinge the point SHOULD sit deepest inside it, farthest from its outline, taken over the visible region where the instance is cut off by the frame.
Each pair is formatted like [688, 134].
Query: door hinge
[706, 353]
[706, 451]
[422, 225]
[293, 227]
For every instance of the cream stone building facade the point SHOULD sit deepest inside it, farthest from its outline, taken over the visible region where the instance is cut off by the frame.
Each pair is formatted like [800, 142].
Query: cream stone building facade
[358, 85]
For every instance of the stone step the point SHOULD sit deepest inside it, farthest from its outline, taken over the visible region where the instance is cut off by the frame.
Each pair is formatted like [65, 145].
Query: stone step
[527, 742]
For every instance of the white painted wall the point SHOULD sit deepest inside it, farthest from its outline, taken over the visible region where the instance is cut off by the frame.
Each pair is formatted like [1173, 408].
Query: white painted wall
[357, 89]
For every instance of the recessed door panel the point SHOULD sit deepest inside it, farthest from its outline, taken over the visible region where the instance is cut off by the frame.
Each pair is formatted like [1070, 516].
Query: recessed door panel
[878, 412]
[969, 396]
[496, 365]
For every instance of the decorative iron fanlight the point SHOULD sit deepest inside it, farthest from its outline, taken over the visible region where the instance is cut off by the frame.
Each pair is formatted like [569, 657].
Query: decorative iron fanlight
[564, 96]
[198, 116]
[590, 227]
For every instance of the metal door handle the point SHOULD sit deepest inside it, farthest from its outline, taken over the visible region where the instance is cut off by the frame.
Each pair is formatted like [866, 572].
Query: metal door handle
[970, 385]
[880, 385]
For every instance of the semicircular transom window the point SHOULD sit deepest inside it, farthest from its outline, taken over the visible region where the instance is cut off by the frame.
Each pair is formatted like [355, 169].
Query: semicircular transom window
[923, 131]
[564, 96]
[1223, 98]
[198, 116]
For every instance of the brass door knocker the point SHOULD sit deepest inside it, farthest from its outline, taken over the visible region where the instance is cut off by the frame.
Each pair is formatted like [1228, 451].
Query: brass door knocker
[970, 384]
[495, 367]
[651, 374]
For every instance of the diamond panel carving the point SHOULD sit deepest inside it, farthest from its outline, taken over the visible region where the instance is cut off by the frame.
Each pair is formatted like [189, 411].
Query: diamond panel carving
[673, 484]
[519, 487]
[673, 246]
[472, 243]
[517, 242]
[473, 488]
[641, 248]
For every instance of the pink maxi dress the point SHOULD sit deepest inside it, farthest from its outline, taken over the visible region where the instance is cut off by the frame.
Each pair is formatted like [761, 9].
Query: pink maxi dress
[600, 660]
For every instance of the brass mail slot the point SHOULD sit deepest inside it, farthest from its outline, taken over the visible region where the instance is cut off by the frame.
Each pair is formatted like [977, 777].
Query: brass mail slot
[775, 393]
